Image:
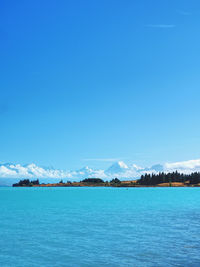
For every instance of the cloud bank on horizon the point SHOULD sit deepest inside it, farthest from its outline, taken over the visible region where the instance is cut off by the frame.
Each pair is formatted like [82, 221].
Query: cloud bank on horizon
[118, 169]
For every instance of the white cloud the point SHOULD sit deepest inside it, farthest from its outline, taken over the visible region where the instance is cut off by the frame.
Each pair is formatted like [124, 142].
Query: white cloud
[30, 171]
[6, 172]
[190, 165]
[118, 169]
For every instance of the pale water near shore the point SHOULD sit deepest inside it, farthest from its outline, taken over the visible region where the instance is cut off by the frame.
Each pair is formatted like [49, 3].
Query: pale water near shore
[90, 227]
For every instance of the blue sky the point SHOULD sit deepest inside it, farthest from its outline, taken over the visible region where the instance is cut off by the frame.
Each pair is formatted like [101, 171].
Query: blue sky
[90, 82]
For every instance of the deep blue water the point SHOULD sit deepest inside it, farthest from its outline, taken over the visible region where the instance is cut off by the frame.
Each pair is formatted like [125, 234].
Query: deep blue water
[90, 227]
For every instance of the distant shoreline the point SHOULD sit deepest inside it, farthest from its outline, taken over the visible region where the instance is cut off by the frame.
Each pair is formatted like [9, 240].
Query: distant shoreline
[124, 184]
[174, 179]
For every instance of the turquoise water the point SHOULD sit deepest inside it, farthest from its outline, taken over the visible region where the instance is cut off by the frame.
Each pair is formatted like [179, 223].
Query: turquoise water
[90, 227]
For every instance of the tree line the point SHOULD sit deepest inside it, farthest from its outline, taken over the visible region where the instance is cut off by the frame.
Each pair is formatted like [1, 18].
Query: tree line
[27, 182]
[98, 180]
[154, 179]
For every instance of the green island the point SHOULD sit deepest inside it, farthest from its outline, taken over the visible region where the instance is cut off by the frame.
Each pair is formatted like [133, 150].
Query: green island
[174, 179]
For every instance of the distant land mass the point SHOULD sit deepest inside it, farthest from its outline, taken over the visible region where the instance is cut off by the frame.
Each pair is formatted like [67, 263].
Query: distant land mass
[162, 179]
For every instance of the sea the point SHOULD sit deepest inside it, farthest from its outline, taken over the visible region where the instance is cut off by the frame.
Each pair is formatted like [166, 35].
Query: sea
[99, 227]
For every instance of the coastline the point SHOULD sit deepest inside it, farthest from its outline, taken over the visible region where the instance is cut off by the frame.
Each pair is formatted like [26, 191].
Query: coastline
[160, 180]
[122, 184]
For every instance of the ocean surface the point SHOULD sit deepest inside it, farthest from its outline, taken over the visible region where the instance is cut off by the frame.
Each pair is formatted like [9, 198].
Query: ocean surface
[99, 227]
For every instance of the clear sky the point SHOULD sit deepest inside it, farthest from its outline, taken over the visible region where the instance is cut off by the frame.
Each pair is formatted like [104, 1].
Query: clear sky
[88, 82]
